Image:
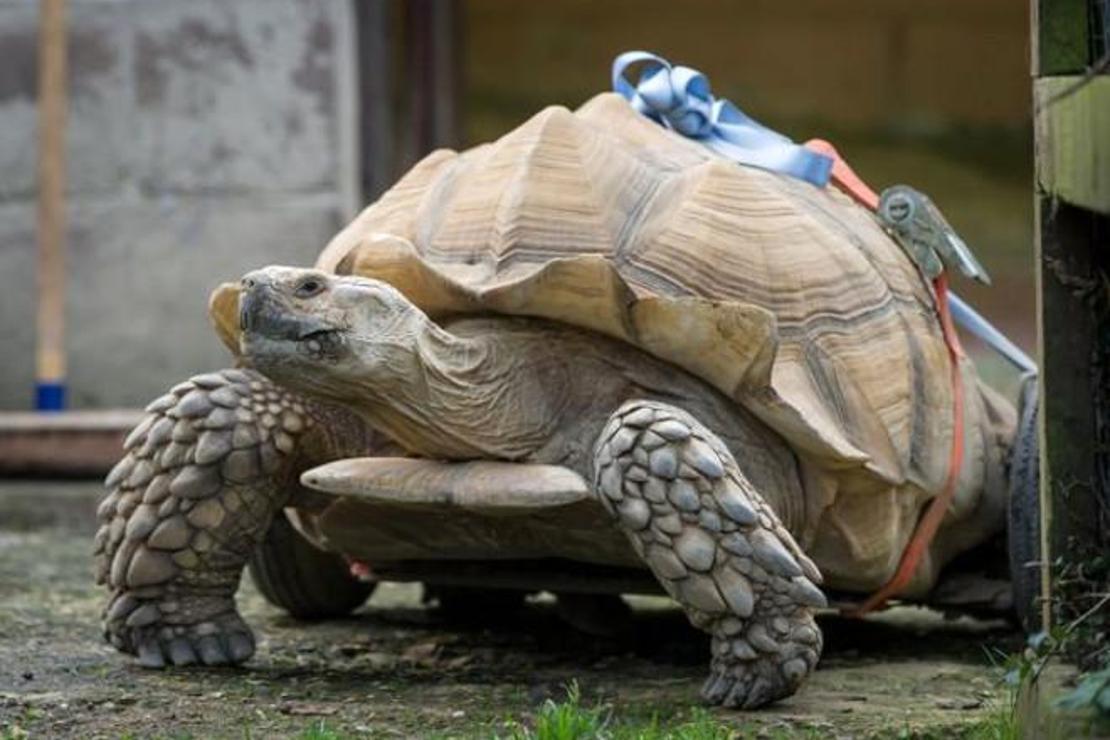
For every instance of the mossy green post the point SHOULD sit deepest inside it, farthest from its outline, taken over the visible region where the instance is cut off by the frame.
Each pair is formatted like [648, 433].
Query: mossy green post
[1072, 129]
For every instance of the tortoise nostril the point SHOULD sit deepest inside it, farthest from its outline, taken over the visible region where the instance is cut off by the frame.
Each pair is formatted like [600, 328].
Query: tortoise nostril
[248, 283]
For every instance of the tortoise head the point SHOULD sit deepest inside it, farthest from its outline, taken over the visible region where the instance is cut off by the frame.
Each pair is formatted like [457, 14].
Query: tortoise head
[322, 333]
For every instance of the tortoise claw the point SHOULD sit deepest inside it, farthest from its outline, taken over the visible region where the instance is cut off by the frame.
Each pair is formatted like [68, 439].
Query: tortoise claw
[225, 640]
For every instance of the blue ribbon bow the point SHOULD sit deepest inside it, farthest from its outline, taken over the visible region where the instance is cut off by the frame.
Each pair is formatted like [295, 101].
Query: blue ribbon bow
[679, 98]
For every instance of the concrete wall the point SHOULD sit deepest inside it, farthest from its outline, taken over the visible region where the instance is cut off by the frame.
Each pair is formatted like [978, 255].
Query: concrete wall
[205, 138]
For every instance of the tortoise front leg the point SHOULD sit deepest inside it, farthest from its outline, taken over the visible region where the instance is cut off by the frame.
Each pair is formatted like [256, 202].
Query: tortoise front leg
[200, 481]
[716, 547]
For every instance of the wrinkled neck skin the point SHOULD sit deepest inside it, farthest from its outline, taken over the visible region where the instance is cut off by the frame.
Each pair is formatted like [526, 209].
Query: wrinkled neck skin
[444, 396]
[517, 389]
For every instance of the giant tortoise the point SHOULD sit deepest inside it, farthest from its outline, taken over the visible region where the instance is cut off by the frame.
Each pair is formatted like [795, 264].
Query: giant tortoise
[591, 354]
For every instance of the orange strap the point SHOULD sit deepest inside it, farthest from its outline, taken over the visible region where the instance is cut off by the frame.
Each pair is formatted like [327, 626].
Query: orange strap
[844, 176]
[927, 526]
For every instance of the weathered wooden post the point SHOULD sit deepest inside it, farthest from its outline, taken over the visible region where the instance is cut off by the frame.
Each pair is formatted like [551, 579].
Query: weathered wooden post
[410, 75]
[1071, 98]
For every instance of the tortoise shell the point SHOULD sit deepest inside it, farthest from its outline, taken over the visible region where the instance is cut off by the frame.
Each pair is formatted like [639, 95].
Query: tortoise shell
[787, 297]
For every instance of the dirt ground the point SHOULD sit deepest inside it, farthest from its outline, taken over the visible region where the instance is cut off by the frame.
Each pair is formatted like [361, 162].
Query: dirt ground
[396, 669]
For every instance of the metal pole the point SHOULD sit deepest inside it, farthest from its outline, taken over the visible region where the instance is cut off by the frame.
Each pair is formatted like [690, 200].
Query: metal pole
[50, 356]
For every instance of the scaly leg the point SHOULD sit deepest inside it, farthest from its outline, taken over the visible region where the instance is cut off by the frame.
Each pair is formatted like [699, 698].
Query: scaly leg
[200, 481]
[716, 547]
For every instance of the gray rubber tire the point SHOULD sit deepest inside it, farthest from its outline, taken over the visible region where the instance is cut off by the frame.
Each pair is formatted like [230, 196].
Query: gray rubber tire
[305, 581]
[1024, 510]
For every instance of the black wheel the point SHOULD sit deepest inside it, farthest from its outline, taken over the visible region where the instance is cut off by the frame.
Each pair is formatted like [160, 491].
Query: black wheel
[1024, 511]
[302, 579]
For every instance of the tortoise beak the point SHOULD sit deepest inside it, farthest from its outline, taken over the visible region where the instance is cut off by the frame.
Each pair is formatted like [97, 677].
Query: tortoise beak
[264, 312]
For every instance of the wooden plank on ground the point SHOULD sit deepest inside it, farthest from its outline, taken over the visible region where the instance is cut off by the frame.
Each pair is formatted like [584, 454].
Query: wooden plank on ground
[64, 444]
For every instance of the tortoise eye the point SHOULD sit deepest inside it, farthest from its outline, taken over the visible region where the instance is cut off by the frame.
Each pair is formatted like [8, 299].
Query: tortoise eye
[308, 287]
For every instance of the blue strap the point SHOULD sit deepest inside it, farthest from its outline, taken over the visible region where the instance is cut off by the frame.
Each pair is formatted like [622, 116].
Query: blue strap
[971, 320]
[679, 98]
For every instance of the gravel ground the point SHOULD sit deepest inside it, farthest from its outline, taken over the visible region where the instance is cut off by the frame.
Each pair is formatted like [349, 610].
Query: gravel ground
[396, 669]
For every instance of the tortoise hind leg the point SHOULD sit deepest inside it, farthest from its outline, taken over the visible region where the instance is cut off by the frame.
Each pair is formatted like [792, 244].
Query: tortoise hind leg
[201, 478]
[716, 547]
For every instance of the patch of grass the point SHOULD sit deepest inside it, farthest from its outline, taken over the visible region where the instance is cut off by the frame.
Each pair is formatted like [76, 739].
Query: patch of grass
[1093, 690]
[569, 719]
[1091, 695]
[565, 720]
[320, 731]
[1000, 724]
[18, 729]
